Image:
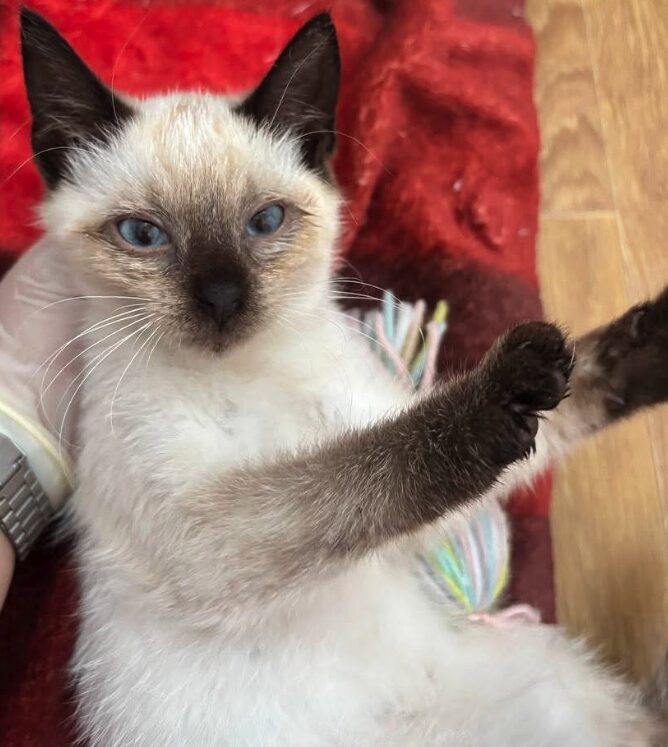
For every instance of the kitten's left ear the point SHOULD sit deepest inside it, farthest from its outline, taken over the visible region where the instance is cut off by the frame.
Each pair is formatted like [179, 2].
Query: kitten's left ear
[300, 91]
[70, 105]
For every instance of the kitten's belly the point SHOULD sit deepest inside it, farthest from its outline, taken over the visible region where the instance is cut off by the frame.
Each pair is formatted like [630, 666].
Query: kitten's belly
[349, 666]
[367, 663]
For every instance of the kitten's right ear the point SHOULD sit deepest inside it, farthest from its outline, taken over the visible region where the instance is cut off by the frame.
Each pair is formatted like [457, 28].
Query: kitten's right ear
[70, 105]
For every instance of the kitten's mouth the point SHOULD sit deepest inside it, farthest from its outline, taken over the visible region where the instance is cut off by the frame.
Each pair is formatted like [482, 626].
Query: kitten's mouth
[214, 333]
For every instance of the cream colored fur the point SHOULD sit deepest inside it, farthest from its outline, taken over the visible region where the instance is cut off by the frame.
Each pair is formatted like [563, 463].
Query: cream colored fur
[175, 647]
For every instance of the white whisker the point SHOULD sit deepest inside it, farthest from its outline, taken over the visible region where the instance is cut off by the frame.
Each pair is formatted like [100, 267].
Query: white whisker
[125, 370]
[338, 133]
[117, 60]
[100, 359]
[155, 344]
[362, 297]
[290, 79]
[92, 328]
[84, 298]
[336, 281]
[44, 390]
[39, 153]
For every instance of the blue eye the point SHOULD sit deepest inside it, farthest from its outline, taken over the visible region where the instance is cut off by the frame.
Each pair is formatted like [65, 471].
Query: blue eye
[266, 221]
[142, 234]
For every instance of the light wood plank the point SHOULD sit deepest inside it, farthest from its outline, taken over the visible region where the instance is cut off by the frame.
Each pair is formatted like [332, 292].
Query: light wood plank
[582, 271]
[610, 548]
[611, 565]
[573, 165]
[629, 47]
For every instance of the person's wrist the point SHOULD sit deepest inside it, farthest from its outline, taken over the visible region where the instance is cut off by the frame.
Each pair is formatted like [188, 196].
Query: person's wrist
[33, 479]
[7, 561]
[50, 465]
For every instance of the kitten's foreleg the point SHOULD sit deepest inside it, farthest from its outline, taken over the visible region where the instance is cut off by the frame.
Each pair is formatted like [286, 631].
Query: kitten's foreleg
[260, 531]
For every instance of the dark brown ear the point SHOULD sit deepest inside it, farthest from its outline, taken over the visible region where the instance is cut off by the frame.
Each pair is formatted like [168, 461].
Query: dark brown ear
[300, 91]
[70, 106]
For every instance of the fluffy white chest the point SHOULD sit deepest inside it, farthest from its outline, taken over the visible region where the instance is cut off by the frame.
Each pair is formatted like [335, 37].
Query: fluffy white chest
[185, 418]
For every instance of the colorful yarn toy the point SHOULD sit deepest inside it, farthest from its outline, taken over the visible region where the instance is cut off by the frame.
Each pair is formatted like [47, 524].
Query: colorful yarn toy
[407, 345]
[469, 563]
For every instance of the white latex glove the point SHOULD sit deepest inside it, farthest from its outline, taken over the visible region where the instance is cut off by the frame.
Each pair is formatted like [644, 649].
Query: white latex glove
[36, 321]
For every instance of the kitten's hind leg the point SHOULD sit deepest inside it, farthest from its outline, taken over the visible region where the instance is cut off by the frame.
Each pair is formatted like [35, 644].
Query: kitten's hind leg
[625, 364]
[619, 368]
[530, 685]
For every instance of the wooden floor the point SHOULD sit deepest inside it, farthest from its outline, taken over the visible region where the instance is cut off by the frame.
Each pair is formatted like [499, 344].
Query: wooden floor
[602, 97]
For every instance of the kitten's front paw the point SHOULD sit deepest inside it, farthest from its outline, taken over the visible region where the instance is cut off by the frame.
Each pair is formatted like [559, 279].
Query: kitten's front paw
[528, 373]
[632, 355]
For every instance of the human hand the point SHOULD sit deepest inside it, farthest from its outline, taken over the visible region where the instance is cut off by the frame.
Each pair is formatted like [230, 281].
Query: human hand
[37, 319]
[6, 566]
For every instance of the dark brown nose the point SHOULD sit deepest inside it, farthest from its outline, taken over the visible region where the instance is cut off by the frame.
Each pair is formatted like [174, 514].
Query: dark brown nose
[221, 300]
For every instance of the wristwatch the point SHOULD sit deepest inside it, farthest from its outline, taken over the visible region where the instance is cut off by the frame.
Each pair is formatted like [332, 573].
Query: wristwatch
[24, 507]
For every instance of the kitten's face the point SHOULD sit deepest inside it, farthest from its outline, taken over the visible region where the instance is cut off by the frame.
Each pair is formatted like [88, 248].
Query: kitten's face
[195, 208]
[220, 223]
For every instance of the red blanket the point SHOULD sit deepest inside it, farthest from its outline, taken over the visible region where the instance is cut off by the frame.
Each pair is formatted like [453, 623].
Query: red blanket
[437, 157]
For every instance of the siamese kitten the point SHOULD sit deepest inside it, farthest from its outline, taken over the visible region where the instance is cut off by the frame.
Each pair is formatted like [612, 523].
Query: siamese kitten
[253, 484]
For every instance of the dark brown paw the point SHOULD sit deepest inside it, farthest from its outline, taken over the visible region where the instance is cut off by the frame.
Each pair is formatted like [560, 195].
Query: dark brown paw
[528, 374]
[632, 355]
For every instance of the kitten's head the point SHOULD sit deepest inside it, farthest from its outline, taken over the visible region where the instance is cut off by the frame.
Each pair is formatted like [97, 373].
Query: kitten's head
[219, 213]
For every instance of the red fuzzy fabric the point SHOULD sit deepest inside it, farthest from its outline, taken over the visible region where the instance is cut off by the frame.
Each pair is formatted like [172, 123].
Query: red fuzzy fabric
[437, 158]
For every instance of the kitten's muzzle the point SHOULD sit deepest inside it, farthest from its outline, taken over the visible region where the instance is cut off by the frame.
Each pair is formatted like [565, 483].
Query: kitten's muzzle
[222, 300]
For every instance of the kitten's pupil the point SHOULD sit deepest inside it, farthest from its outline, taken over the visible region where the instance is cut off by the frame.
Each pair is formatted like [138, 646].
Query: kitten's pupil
[142, 233]
[145, 234]
[266, 221]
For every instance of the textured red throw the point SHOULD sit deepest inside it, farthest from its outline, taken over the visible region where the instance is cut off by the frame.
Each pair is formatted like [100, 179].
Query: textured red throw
[437, 156]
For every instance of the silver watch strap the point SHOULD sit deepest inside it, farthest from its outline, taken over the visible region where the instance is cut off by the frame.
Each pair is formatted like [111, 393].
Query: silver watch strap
[24, 508]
